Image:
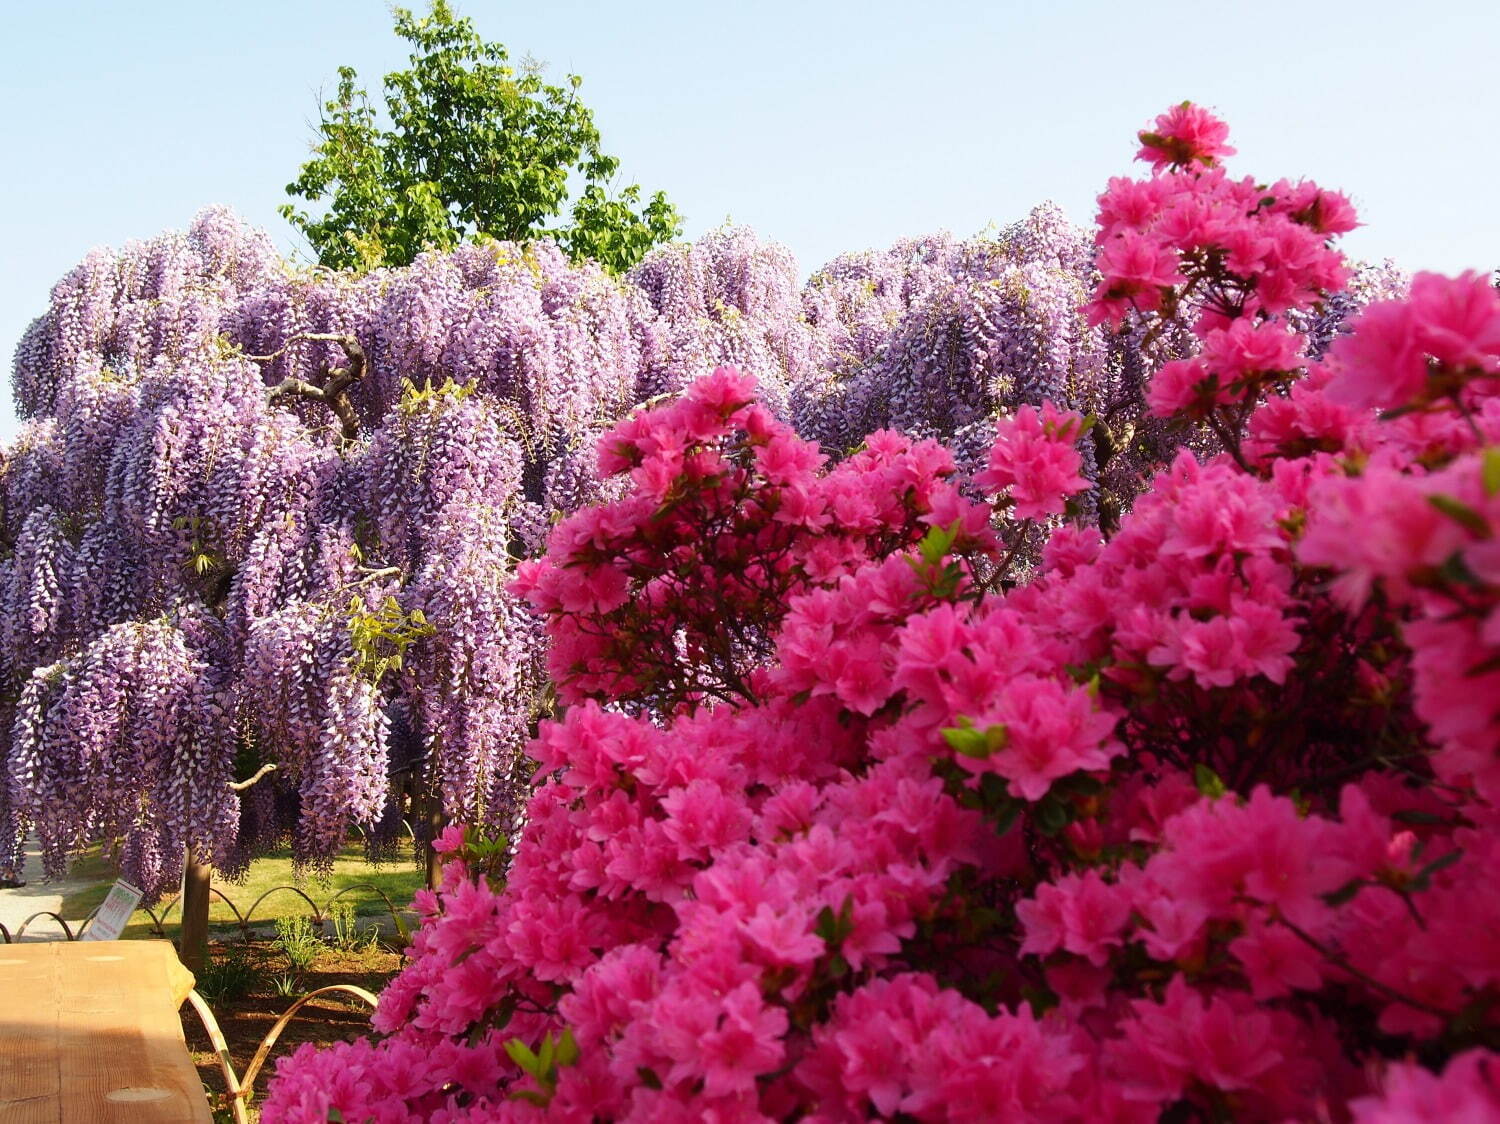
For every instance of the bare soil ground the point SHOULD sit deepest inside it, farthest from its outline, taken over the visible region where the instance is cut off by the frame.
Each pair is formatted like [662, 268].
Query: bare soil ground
[246, 1017]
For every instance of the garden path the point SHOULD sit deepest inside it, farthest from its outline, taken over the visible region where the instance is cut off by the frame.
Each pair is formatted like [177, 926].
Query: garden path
[36, 896]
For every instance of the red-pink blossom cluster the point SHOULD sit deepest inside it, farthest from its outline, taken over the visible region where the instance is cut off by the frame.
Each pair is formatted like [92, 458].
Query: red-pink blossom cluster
[838, 824]
[1228, 258]
[1035, 459]
[1468, 1089]
[1183, 135]
[671, 595]
[1410, 516]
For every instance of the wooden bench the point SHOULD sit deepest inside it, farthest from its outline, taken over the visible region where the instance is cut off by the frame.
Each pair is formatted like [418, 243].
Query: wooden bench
[90, 1034]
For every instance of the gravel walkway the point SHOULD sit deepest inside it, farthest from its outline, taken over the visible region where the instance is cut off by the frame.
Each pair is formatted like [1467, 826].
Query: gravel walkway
[36, 896]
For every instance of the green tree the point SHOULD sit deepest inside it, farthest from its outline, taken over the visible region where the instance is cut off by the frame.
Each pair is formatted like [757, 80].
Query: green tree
[475, 147]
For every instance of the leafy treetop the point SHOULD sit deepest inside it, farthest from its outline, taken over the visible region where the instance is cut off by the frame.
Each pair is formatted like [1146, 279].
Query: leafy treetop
[476, 147]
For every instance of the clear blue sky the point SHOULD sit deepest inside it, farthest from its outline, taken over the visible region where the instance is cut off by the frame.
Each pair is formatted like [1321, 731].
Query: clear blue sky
[827, 126]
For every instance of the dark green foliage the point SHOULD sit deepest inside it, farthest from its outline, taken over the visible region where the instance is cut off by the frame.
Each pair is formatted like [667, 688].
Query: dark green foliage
[229, 976]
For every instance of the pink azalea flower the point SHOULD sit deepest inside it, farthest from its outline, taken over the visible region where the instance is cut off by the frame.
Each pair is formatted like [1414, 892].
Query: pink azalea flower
[1185, 134]
[1467, 1090]
[1457, 319]
[1050, 731]
[1035, 458]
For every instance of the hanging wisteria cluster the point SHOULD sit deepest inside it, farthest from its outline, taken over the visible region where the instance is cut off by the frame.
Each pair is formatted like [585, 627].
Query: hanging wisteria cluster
[304, 493]
[263, 515]
[726, 298]
[934, 336]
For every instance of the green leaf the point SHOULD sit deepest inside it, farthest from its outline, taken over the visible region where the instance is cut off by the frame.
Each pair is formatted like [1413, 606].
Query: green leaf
[1462, 514]
[567, 1048]
[1418, 817]
[1346, 892]
[992, 787]
[1424, 876]
[1093, 686]
[980, 744]
[964, 739]
[826, 925]
[936, 543]
[1456, 570]
[504, 1012]
[1080, 784]
[522, 1055]
[1050, 816]
[1041, 999]
[1400, 411]
[475, 147]
[1207, 781]
[1005, 816]
[1490, 471]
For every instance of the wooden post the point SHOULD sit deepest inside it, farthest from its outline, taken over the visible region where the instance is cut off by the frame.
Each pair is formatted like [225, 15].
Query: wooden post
[436, 821]
[427, 803]
[192, 941]
[197, 878]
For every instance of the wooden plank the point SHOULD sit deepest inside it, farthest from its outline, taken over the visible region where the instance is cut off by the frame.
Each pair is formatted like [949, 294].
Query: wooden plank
[97, 1034]
[28, 1035]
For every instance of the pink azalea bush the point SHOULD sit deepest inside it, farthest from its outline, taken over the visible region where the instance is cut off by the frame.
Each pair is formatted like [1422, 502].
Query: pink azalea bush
[840, 822]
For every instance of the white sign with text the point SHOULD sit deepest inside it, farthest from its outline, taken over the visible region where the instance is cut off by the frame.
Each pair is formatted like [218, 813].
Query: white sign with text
[109, 922]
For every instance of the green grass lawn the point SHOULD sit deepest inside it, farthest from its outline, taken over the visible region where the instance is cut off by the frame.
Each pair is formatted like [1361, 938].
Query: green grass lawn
[399, 879]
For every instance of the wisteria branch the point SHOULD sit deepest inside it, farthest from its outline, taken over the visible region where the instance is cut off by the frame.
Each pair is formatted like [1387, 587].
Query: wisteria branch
[240, 786]
[334, 392]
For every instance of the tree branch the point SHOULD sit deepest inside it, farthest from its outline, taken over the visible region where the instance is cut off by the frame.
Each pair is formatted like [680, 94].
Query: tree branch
[334, 392]
[1369, 981]
[240, 786]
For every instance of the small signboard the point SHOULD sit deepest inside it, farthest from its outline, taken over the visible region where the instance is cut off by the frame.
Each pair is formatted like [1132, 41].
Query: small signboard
[110, 920]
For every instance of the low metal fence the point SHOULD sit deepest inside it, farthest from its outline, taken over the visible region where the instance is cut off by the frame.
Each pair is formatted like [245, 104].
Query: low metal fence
[241, 1089]
[242, 918]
